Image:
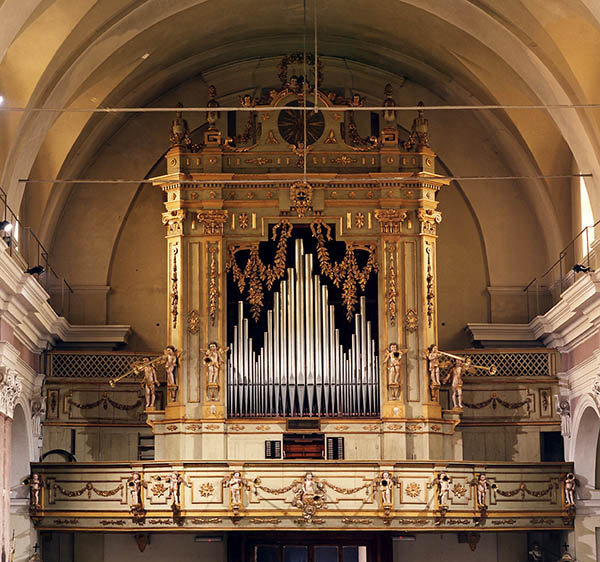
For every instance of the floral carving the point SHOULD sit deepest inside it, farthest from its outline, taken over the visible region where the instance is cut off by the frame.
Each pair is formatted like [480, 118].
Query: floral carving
[411, 320]
[392, 286]
[213, 287]
[459, 490]
[212, 221]
[413, 489]
[390, 220]
[194, 322]
[207, 490]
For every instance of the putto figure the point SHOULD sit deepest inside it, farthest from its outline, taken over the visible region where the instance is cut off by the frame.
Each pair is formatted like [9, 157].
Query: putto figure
[174, 482]
[309, 496]
[149, 383]
[134, 487]
[35, 490]
[213, 360]
[482, 488]
[393, 359]
[570, 484]
[442, 482]
[386, 487]
[433, 364]
[171, 361]
[461, 367]
[235, 483]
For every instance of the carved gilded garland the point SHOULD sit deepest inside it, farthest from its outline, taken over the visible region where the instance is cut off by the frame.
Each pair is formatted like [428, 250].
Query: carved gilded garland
[430, 294]
[346, 273]
[256, 272]
[213, 287]
[392, 287]
[174, 296]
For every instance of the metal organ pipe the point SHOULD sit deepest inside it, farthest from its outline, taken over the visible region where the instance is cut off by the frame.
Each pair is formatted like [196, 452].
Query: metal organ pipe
[303, 368]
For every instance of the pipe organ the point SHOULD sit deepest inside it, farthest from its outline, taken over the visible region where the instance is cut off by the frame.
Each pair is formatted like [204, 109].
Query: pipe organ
[303, 368]
[342, 334]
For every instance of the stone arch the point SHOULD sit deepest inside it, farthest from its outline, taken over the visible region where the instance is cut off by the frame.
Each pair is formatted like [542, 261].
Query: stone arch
[585, 434]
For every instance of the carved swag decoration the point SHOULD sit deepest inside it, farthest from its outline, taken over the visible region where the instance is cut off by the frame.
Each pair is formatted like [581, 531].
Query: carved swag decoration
[346, 274]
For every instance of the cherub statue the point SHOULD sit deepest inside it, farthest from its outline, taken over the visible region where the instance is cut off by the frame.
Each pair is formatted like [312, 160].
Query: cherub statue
[38, 413]
[235, 483]
[149, 382]
[386, 487]
[570, 484]
[392, 359]
[174, 482]
[213, 359]
[442, 482]
[135, 485]
[482, 488]
[461, 367]
[171, 361]
[563, 409]
[433, 364]
[35, 490]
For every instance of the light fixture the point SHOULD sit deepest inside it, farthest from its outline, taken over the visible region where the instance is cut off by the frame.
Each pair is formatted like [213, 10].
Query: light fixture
[35, 270]
[579, 268]
[6, 226]
[1, 100]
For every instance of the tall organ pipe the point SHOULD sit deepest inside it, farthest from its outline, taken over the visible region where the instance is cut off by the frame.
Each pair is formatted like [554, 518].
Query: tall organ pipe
[303, 367]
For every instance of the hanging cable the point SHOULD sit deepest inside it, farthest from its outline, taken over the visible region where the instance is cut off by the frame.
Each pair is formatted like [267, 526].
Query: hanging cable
[316, 179]
[304, 95]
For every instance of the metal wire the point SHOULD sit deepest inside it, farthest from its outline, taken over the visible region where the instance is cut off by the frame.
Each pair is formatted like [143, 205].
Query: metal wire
[315, 179]
[299, 108]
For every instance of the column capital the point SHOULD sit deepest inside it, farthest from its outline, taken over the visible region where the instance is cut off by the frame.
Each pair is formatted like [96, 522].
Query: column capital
[10, 388]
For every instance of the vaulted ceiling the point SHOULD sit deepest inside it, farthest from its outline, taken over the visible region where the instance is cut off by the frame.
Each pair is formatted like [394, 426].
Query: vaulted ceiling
[69, 54]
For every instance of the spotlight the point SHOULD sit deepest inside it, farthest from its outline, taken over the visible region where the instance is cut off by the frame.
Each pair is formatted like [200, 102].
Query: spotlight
[6, 226]
[36, 270]
[1, 100]
[579, 268]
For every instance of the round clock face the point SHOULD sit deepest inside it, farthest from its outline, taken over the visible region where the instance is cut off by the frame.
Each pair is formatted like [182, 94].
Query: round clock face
[291, 125]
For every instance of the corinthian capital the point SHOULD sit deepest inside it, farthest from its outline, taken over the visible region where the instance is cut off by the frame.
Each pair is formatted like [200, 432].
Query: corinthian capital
[10, 388]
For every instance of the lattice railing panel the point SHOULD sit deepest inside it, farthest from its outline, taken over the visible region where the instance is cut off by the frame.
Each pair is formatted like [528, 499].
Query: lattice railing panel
[512, 363]
[93, 365]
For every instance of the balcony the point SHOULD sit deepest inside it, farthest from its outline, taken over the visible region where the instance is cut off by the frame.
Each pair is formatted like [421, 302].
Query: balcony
[342, 495]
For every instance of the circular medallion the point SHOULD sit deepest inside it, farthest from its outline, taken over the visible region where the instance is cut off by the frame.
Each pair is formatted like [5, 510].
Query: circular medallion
[291, 125]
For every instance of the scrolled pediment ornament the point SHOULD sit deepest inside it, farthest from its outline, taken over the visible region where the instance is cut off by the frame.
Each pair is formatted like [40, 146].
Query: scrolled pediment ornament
[212, 220]
[10, 388]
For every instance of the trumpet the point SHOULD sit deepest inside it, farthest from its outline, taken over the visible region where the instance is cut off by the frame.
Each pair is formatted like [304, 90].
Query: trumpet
[137, 367]
[491, 369]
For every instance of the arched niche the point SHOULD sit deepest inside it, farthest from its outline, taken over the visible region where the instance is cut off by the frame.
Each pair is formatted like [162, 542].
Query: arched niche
[585, 447]
[20, 450]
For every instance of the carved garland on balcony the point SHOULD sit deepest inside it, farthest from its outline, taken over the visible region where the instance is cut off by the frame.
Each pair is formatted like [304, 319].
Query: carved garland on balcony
[346, 273]
[89, 487]
[523, 489]
[104, 401]
[256, 274]
[494, 400]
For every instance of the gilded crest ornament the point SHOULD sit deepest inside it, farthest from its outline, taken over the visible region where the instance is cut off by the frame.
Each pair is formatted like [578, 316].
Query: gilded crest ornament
[411, 320]
[301, 197]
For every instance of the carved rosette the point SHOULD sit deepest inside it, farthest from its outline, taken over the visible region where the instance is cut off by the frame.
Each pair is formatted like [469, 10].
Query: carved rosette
[212, 221]
[390, 220]
[174, 221]
[10, 388]
[429, 218]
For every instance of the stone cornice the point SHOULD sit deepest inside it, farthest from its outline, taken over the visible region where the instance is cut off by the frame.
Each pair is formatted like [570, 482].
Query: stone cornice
[24, 307]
